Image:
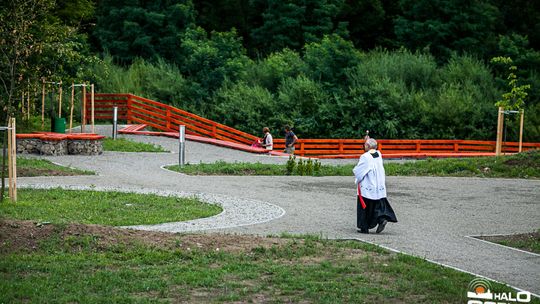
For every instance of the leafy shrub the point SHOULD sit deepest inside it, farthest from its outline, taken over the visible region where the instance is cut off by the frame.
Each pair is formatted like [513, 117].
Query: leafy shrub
[291, 164]
[248, 108]
[300, 167]
[270, 71]
[309, 167]
[299, 100]
[328, 60]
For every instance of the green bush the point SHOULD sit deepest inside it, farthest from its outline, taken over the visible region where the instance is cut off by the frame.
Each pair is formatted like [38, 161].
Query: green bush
[209, 60]
[270, 71]
[417, 71]
[248, 108]
[299, 100]
[291, 164]
[328, 60]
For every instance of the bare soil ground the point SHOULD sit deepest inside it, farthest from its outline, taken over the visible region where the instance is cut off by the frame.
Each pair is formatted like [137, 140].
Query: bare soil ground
[26, 236]
[31, 172]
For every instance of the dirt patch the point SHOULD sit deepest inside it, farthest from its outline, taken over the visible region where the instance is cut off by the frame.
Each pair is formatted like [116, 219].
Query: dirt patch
[525, 241]
[17, 236]
[31, 172]
[529, 158]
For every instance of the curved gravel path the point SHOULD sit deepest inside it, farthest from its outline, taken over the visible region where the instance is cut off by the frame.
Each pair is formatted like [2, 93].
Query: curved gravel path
[436, 214]
[236, 211]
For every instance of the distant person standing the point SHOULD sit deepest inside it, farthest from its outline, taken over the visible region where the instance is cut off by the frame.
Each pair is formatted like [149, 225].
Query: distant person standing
[373, 209]
[267, 141]
[290, 140]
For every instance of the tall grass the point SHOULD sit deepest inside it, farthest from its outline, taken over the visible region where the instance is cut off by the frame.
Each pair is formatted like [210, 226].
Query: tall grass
[161, 80]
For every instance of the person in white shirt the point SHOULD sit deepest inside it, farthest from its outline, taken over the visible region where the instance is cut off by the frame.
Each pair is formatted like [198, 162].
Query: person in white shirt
[373, 208]
[267, 141]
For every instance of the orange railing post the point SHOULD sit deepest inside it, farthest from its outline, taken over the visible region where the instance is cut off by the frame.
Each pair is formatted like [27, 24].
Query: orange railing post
[168, 118]
[129, 114]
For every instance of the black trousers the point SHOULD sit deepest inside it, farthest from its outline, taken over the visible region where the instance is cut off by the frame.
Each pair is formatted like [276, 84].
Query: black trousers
[376, 211]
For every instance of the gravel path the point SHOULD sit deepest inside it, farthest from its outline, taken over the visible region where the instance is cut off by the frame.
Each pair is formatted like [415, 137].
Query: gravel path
[436, 214]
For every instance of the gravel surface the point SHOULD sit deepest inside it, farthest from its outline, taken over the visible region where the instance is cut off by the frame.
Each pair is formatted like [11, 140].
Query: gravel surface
[236, 211]
[436, 214]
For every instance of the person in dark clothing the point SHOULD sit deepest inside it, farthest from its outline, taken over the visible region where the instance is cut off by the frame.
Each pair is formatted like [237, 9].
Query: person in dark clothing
[290, 140]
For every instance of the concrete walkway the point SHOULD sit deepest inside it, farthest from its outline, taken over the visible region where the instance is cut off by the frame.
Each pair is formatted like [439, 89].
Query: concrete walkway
[436, 214]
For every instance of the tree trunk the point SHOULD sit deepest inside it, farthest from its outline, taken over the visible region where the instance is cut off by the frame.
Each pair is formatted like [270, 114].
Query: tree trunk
[3, 167]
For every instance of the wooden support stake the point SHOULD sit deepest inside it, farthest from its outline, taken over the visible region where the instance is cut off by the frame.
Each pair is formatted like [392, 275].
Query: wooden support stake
[10, 163]
[35, 100]
[521, 131]
[92, 104]
[500, 123]
[3, 167]
[28, 102]
[14, 158]
[60, 99]
[71, 106]
[23, 106]
[83, 123]
[43, 105]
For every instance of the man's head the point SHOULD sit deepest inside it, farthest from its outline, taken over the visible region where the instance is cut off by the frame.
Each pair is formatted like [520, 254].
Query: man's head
[287, 128]
[266, 130]
[370, 144]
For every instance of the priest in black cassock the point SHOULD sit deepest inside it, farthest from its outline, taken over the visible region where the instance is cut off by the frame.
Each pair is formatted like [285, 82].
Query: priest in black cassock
[373, 209]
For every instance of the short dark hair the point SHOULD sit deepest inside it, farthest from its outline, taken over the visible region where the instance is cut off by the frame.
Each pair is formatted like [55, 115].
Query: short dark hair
[287, 128]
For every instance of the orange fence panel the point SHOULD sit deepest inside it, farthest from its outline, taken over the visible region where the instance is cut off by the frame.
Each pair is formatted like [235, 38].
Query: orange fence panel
[166, 118]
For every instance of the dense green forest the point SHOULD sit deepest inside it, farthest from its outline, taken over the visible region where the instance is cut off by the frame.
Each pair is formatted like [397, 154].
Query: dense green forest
[330, 68]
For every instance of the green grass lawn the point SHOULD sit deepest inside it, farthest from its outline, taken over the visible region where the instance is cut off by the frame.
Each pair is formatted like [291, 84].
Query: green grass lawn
[523, 165]
[526, 241]
[68, 265]
[126, 145]
[40, 167]
[107, 208]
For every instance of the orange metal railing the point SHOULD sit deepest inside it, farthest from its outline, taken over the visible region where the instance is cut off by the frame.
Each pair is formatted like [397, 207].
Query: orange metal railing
[136, 109]
[139, 110]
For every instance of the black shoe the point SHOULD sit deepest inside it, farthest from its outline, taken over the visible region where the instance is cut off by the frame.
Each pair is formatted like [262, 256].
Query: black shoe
[380, 228]
[363, 231]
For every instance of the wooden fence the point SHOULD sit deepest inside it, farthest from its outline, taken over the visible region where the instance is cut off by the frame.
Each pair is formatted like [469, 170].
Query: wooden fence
[138, 110]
